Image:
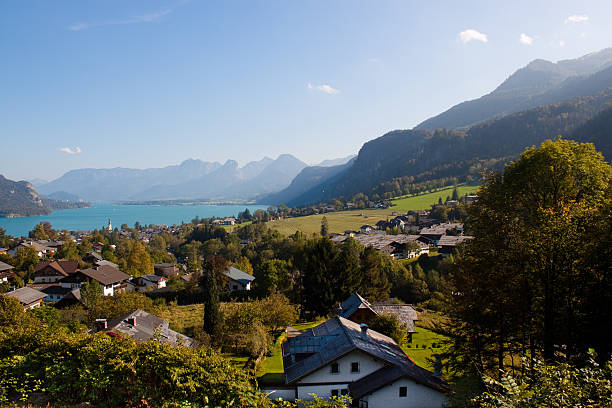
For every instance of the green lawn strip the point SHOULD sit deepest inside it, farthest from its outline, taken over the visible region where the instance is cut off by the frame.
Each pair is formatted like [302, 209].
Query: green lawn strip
[270, 370]
[237, 360]
[425, 201]
[424, 344]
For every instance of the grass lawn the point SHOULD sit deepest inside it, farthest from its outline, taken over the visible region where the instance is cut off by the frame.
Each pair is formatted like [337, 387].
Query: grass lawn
[424, 344]
[338, 221]
[270, 371]
[183, 319]
[424, 201]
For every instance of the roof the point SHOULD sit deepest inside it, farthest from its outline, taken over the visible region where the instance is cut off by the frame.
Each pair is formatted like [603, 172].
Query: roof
[440, 229]
[380, 378]
[164, 265]
[148, 327]
[106, 275]
[95, 255]
[56, 290]
[106, 263]
[26, 295]
[5, 267]
[452, 240]
[238, 275]
[337, 337]
[153, 278]
[63, 267]
[352, 304]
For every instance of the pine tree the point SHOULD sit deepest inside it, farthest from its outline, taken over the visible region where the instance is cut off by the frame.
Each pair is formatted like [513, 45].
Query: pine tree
[209, 282]
[324, 227]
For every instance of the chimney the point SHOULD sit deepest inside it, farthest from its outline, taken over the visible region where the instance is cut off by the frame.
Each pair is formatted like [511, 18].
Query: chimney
[101, 324]
[132, 320]
[364, 330]
[437, 372]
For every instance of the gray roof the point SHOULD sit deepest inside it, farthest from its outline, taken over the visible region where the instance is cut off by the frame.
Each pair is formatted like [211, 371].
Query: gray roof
[238, 275]
[5, 267]
[404, 313]
[104, 262]
[56, 290]
[27, 295]
[148, 327]
[337, 337]
[440, 229]
[153, 278]
[452, 240]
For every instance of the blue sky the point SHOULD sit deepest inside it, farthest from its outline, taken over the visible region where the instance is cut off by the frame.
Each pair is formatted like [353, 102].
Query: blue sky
[152, 83]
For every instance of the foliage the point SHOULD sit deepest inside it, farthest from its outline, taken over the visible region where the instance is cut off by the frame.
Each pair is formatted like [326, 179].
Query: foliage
[209, 283]
[531, 277]
[389, 325]
[555, 386]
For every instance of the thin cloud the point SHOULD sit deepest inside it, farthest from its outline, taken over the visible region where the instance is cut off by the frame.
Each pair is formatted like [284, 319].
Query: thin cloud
[577, 19]
[144, 18]
[471, 34]
[324, 88]
[561, 43]
[68, 150]
[525, 39]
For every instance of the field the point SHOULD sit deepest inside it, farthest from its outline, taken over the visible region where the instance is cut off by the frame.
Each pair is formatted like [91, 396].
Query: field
[424, 201]
[183, 319]
[341, 221]
[337, 221]
[425, 343]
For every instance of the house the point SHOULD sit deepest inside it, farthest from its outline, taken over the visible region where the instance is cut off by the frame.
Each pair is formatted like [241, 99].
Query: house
[38, 246]
[53, 271]
[104, 262]
[6, 272]
[238, 280]
[148, 282]
[93, 257]
[359, 310]
[366, 229]
[70, 299]
[165, 269]
[111, 279]
[143, 326]
[3, 251]
[448, 243]
[54, 292]
[341, 357]
[28, 297]
[470, 198]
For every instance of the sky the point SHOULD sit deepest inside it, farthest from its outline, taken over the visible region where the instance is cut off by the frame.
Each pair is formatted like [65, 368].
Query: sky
[150, 83]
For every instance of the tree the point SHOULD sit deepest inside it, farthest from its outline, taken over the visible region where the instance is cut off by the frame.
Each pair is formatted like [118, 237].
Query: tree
[455, 195]
[91, 293]
[38, 232]
[524, 283]
[324, 227]
[69, 251]
[5, 240]
[209, 283]
[389, 325]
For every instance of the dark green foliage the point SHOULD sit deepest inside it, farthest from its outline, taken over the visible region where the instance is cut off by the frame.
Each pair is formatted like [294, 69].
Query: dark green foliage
[209, 284]
[529, 280]
[389, 325]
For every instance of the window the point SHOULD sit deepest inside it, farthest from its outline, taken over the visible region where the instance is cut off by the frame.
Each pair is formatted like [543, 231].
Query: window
[354, 367]
[403, 392]
[335, 368]
[344, 391]
[334, 393]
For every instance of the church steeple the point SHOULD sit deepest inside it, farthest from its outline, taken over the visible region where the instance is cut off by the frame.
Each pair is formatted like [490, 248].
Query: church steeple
[110, 228]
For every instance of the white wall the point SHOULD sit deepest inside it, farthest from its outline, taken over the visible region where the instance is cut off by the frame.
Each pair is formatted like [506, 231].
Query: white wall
[367, 365]
[323, 391]
[418, 396]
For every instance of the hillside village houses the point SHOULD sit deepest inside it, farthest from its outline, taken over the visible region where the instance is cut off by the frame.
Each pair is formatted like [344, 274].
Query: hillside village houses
[6, 272]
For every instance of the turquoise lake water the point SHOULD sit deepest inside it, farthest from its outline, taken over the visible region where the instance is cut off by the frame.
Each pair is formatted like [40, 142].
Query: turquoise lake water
[97, 216]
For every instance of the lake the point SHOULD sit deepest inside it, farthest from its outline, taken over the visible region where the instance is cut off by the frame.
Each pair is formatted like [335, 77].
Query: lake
[97, 216]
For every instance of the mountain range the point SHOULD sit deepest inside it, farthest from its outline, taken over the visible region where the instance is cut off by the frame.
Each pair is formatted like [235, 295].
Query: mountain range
[570, 99]
[192, 179]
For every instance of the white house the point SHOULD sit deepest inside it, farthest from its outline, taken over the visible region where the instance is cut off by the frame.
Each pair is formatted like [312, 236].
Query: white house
[148, 282]
[340, 357]
[111, 279]
[238, 280]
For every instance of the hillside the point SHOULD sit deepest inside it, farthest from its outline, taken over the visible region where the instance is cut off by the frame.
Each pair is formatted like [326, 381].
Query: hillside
[19, 199]
[599, 131]
[540, 82]
[401, 161]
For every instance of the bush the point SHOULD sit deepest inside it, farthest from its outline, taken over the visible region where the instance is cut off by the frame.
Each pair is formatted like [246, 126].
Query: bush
[389, 325]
